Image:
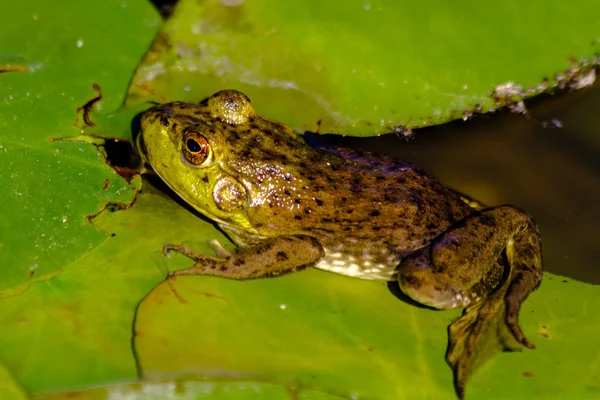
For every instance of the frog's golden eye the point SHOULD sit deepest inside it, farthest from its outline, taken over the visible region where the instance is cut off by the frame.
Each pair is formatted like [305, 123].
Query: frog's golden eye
[196, 148]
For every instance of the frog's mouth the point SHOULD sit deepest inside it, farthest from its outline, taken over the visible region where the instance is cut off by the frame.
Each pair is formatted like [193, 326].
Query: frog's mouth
[145, 166]
[140, 147]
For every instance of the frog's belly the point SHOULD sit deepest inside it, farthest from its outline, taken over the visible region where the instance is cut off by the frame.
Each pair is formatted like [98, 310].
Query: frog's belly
[379, 264]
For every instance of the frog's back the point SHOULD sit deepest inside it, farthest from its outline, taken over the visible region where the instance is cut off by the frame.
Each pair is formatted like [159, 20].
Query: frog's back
[368, 212]
[384, 210]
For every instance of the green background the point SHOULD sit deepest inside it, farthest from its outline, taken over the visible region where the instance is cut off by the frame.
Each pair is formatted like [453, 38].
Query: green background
[82, 299]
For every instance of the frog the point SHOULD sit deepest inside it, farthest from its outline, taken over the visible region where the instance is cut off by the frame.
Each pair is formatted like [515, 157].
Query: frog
[289, 205]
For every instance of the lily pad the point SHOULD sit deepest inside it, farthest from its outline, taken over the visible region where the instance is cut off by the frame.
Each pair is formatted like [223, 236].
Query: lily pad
[82, 318]
[52, 55]
[195, 390]
[54, 185]
[9, 389]
[320, 330]
[366, 67]
[73, 278]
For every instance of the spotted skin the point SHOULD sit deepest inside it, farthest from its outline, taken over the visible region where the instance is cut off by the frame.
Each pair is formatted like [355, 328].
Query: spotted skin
[289, 205]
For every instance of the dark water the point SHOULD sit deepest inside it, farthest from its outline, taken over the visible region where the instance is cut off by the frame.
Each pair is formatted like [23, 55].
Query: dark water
[546, 162]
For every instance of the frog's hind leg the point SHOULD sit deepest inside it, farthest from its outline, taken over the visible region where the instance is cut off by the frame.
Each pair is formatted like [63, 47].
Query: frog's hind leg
[463, 267]
[459, 267]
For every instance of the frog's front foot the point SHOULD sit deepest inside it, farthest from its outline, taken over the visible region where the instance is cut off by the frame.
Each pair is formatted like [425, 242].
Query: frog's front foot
[489, 261]
[186, 251]
[203, 264]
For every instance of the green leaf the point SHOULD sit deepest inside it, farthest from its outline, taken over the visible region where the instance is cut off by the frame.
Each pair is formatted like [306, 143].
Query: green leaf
[70, 289]
[55, 185]
[320, 330]
[364, 67]
[9, 389]
[196, 390]
[82, 319]
[51, 56]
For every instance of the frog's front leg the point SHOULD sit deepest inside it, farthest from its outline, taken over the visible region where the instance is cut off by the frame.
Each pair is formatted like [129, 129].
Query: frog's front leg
[272, 257]
[460, 266]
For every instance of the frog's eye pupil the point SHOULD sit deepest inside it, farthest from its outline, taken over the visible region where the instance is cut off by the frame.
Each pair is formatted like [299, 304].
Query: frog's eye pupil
[195, 149]
[193, 146]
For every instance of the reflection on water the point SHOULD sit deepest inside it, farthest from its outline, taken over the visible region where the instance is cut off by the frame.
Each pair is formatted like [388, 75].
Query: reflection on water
[547, 163]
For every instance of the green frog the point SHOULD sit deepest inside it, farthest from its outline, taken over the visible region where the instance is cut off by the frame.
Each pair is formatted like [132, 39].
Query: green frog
[288, 205]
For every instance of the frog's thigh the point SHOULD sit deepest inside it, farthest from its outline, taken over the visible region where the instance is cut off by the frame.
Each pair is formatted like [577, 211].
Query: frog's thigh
[273, 257]
[461, 265]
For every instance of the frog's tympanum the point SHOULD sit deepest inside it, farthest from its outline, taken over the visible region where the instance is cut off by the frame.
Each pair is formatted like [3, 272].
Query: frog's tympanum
[289, 206]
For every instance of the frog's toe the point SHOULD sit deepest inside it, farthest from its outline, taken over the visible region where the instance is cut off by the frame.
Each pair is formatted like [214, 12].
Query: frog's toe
[512, 323]
[219, 250]
[167, 250]
[516, 331]
[524, 281]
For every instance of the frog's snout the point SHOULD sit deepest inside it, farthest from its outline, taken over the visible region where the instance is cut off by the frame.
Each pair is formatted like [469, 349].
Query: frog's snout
[421, 283]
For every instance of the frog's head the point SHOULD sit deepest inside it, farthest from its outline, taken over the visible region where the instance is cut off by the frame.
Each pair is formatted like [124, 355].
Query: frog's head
[219, 155]
[185, 145]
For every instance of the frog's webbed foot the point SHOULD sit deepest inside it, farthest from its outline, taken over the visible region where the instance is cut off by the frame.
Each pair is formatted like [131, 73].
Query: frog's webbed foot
[480, 333]
[273, 257]
[464, 267]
